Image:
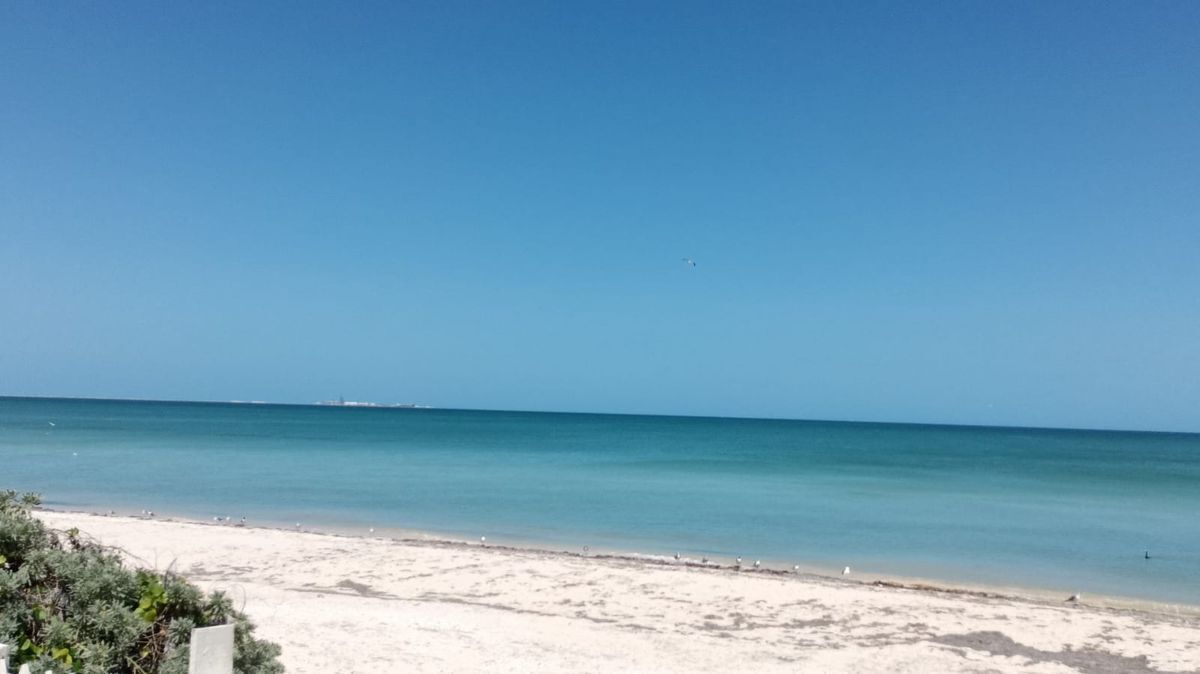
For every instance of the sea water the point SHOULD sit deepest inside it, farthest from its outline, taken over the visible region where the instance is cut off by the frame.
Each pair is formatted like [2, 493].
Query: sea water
[1068, 510]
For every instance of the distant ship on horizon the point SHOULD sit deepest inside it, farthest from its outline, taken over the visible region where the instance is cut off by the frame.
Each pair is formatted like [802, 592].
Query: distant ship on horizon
[342, 402]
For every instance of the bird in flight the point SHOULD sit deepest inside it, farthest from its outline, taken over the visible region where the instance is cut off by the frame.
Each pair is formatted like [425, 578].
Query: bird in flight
[689, 261]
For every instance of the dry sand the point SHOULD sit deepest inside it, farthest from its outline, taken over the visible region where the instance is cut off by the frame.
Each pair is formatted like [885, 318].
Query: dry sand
[346, 604]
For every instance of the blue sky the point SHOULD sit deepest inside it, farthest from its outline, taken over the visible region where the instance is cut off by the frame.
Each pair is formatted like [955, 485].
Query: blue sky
[944, 212]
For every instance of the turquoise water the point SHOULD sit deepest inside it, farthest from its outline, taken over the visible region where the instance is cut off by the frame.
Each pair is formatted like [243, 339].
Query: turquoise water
[1058, 509]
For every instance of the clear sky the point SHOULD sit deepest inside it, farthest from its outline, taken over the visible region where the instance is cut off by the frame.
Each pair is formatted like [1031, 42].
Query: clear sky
[963, 212]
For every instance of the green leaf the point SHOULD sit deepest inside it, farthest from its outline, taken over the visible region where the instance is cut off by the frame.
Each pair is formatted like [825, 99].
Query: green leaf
[154, 597]
[63, 655]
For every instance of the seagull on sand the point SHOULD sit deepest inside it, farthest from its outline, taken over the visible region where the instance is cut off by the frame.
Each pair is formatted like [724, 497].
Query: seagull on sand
[846, 571]
[689, 262]
[757, 563]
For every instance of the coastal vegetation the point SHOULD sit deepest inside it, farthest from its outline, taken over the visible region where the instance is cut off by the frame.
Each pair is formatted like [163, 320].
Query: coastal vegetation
[69, 604]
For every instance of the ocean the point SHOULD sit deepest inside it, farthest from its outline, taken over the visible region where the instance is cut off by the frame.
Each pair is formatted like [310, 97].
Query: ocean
[1064, 510]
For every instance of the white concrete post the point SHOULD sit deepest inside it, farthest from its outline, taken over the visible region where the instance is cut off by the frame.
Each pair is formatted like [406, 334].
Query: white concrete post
[3, 659]
[211, 651]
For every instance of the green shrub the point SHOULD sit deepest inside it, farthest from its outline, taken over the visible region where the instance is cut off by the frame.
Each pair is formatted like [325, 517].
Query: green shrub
[71, 605]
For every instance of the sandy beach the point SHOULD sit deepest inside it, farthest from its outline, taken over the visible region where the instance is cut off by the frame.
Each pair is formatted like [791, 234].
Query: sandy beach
[347, 604]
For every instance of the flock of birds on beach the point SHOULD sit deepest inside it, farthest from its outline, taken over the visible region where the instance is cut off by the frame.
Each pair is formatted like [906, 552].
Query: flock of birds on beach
[483, 541]
[221, 519]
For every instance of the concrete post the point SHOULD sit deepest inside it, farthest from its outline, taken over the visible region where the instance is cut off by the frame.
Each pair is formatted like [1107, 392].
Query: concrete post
[211, 651]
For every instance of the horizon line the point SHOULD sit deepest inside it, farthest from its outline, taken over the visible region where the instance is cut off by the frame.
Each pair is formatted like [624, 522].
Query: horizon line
[424, 407]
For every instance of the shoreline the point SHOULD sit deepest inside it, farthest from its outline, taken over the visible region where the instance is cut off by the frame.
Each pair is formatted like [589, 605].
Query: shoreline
[769, 567]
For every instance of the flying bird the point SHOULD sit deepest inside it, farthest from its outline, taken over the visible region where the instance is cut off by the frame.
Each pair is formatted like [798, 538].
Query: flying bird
[689, 261]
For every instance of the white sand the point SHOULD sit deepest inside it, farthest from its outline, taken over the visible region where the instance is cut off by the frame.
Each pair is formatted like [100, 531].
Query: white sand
[342, 604]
